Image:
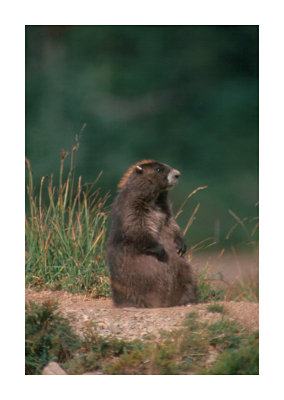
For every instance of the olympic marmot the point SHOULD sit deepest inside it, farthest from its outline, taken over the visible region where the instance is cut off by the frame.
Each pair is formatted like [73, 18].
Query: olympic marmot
[145, 246]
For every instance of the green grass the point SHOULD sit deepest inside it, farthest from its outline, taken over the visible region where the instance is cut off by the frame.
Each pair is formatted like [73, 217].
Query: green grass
[211, 288]
[218, 308]
[243, 290]
[185, 351]
[48, 337]
[241, 361]
[66, 233]
[65, 236]
[206, 289]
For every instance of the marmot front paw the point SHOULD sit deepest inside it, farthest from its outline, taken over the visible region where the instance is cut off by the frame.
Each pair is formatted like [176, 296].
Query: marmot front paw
[161, 253]
[181, 250]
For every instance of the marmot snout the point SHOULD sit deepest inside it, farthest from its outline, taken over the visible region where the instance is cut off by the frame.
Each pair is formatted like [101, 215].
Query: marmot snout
[173, 177]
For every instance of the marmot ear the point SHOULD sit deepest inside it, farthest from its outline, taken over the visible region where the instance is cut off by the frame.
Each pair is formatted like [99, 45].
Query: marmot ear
[139, 169]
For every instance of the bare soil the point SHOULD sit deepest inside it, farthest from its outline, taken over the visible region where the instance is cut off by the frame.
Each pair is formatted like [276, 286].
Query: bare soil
[137, 323]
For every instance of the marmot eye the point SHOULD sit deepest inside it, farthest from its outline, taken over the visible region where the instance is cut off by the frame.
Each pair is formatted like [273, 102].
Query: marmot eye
[158, 169]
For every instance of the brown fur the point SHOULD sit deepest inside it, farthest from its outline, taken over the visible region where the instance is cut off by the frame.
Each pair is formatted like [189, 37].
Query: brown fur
[145, 244]
[130, 171]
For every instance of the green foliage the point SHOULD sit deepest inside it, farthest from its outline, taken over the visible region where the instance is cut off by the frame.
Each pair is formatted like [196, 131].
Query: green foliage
[98, 353]
[216, 308]
[225, 334]
[48, 337]
[184, 351]
[65, 240]
[206, 289]
[241, 361]
[176, 353]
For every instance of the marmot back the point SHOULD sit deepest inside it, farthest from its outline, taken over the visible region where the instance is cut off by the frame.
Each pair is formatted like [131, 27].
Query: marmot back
[145, 246]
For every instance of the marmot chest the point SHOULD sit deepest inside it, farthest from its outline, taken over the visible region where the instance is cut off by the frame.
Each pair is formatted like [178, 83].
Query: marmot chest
[154, 220]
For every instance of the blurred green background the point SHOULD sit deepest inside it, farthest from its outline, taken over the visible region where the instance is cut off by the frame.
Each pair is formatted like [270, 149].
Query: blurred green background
[184, 95]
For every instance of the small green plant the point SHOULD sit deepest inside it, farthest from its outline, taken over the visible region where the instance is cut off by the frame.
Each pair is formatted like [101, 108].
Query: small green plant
[100, 353]
[207, 290]
[65, 238]
[48, 337]
[218, 308]
[241, 361]
[225, 334]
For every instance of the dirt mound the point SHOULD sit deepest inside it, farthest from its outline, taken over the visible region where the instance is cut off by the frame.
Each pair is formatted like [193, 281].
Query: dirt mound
[137, 323]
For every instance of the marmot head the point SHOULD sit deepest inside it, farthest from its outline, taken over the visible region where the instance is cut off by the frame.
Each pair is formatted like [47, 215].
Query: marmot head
[150, 175]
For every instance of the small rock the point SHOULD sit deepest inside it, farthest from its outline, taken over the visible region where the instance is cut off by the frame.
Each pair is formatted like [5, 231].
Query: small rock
[52, 368]
[101, 325]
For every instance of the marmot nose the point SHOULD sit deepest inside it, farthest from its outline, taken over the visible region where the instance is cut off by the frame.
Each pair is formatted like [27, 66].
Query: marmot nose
[176, 173]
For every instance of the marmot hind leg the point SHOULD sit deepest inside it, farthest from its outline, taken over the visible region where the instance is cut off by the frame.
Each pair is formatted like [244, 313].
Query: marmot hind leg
[189, 295]
[188, 284]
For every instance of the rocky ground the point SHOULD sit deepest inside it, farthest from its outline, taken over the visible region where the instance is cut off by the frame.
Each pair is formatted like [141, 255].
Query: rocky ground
[135, 323]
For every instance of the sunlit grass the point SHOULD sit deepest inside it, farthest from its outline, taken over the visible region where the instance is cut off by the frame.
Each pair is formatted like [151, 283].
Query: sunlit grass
[65, 234]
[211, 284]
